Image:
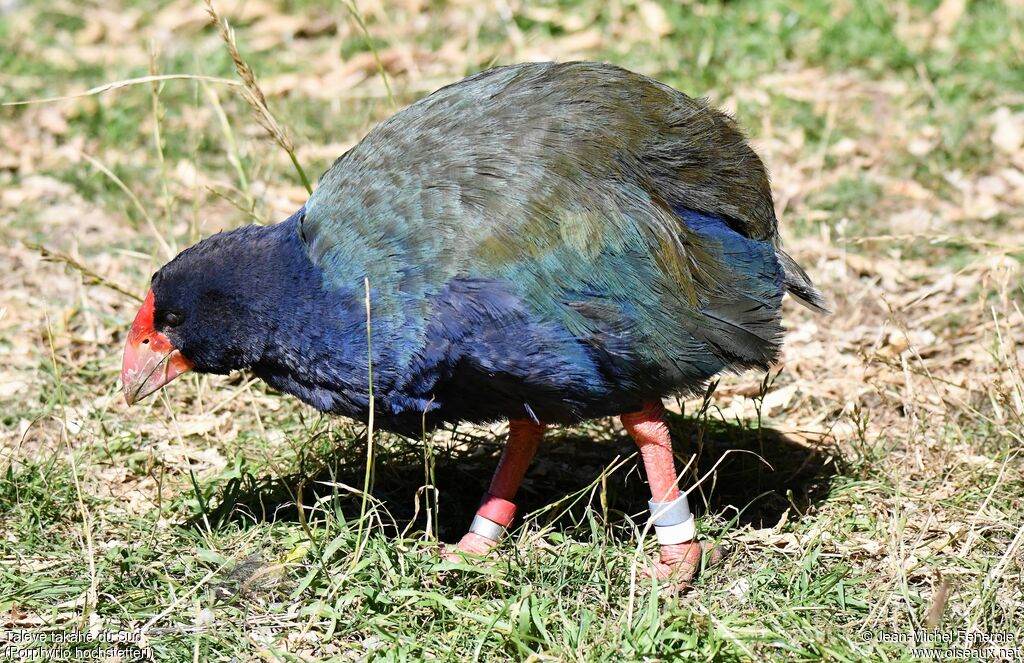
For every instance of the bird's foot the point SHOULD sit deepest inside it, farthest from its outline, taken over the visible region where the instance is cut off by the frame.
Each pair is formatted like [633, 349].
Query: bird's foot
[470, 544]
[680, 562]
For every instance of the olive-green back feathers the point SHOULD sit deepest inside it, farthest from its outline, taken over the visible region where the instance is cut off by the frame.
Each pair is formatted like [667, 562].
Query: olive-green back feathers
[564, 179]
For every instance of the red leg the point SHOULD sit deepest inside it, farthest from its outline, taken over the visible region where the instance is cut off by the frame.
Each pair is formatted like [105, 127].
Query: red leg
[681, 560]
[497, 508]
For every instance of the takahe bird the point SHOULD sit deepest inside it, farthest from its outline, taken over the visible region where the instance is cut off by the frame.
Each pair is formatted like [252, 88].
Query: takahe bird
[542, 243]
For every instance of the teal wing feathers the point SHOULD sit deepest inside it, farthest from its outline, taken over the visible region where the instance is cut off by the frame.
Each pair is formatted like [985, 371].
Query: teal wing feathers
[574, 184]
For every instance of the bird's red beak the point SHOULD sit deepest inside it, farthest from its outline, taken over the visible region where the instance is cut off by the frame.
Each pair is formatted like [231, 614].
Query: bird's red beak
[150, 361]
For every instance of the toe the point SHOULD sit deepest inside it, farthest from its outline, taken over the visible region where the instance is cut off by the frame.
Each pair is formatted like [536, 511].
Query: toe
[470, 544]
[680, 562]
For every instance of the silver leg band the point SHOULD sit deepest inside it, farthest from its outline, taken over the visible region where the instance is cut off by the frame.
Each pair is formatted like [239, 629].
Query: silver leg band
[670, 513]
[673, 522]
[486, 528]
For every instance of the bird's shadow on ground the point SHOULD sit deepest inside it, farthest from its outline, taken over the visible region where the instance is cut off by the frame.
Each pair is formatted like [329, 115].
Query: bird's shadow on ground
[761, 475]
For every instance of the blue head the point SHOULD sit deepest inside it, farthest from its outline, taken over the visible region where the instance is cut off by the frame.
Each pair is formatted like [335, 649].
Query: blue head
[248, 298]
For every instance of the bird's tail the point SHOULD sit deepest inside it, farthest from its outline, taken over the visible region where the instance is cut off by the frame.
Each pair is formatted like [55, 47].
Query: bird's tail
[799, 285]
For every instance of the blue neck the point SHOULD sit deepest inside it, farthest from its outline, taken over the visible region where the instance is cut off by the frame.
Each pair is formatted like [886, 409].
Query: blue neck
[316, 335]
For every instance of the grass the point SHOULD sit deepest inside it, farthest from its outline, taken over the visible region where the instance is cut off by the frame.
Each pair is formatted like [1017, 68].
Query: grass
[875, 489]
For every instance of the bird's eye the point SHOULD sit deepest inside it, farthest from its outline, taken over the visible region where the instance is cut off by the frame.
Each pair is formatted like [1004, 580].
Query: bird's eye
[172, 319]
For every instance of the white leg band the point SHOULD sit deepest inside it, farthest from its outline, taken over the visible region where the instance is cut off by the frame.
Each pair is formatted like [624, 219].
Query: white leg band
[486, 528]
[673, 522]
[678, 533]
